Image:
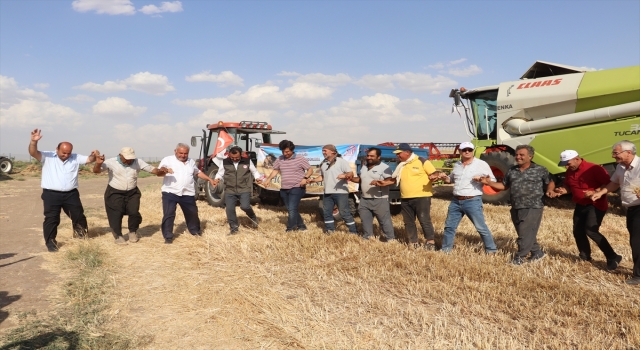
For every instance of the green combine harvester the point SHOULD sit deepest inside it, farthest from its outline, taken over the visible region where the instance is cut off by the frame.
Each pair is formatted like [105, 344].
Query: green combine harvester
[552, 107]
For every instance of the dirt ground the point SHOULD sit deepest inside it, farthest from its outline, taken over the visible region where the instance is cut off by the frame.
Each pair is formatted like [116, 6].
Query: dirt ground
[23, 281]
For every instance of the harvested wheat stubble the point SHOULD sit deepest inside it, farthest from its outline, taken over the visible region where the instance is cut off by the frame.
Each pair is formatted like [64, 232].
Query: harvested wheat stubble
[268, 289]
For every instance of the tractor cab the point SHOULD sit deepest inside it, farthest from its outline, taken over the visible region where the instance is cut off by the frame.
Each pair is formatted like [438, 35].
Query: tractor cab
[215, 142]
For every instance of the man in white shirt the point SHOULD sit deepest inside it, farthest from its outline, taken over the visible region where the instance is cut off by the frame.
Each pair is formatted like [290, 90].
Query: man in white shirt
[627, 179]
[122, 196]
[237, 173]
[467, 198]
[60, 188]
[178, 188]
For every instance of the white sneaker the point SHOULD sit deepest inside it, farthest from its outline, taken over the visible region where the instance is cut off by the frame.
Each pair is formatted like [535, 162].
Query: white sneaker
[120, 240]
[133, 237]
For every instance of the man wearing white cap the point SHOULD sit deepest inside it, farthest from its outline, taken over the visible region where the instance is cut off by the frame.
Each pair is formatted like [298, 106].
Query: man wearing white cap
[582, 179]
[122, 196]
[467, 198]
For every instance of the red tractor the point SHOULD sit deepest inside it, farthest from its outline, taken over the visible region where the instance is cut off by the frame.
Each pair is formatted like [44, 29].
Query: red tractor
[248, 135]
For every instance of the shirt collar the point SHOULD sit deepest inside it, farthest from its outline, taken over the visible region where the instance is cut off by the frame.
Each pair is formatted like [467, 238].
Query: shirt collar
[121, 163]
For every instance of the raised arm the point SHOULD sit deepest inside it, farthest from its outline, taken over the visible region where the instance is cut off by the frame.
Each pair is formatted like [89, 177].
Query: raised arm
[33, 145]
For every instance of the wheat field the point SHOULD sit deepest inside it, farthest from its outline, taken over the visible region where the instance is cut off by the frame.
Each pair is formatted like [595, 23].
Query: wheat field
[267, 289]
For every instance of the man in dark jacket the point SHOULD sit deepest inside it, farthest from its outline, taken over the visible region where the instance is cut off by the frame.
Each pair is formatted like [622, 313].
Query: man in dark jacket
[236, 173]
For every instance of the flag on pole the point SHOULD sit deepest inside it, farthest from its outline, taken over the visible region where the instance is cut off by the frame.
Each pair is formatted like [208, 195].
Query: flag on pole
[224, 140]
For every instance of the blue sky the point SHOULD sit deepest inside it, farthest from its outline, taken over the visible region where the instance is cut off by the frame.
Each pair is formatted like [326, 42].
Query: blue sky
[149, 74]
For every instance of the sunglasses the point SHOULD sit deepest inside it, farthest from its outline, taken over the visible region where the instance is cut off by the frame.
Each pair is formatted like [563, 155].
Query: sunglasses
[466, 150]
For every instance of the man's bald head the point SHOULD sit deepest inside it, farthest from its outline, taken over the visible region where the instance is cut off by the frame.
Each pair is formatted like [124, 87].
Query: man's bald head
[64, 150]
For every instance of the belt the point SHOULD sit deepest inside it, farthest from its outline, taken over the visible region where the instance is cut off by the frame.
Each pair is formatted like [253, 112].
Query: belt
[462, 198]
[48, 190]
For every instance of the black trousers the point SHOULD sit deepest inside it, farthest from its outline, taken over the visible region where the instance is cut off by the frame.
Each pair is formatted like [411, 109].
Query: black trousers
[633, 225]
[586, 223]
[189, 208]
[419, 207]
[527, 222]
[54, 202]
[120, 203]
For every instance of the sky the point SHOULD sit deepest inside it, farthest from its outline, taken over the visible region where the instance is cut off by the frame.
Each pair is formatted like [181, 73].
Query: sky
[105, 74]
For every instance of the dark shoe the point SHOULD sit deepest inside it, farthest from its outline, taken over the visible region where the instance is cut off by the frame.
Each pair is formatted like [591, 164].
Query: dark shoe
[584, 257]
[168, 240]
[517, 261]
[431, 247]
[537, 256]
[51, 246]
[254, 222]
[234, 231]
[633, 281]
[613, 263]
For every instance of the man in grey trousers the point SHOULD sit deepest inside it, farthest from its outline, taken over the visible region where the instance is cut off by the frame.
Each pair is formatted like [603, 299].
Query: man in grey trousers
[375, 195]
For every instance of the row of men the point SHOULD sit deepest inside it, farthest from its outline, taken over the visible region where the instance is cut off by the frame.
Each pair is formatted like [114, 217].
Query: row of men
[413, 174]
[528, 183]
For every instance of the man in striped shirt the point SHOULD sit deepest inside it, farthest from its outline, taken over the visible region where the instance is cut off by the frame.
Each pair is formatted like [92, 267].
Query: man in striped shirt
[294, 173]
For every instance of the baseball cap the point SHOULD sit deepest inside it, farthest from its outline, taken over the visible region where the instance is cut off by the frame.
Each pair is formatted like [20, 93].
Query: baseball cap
[402, 147]
[128, 153]
[566, 156]
[466, 145]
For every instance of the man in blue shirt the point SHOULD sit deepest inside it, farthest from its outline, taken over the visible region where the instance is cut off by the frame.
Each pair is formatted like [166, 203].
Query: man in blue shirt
[60, 188]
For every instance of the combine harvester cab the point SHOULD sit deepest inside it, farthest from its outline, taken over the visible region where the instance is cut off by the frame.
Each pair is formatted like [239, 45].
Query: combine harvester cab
[552, 107]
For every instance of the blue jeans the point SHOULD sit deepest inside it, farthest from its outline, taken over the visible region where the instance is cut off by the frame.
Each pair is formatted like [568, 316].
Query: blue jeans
[342, 201]
[473, 209]
[291, 199]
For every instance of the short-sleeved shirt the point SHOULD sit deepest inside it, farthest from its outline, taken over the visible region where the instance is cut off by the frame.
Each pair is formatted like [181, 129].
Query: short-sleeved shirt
[414, 179]
[124, 177]
[377, 172]
[629, 180]
[292, 170]
[588, 176]
[330, 176]
[58, 175]
[181, 182]
[528, 186]
[462, 177]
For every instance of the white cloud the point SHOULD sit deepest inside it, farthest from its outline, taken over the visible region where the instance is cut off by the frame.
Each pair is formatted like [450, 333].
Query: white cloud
[149, 83]
[324, 79]
[41, 86]
[465, 72]
[109, 7]
[175, 6]
[107, 87]
[224, 79]
[154, 84]
[288, 74]
[80, 98]
[438, 65]
[207, 103]
[267, 96]
[416, 82]
[11, 93]
[31, 113]
[117, 107]
[453, 63]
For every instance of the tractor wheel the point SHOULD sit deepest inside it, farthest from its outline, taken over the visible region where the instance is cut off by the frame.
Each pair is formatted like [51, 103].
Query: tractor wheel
[395, 209]
[214, 195]
[500, 162]
[6, 165]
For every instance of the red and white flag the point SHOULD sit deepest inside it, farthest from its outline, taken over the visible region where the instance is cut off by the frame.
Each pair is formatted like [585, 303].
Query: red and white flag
[224, 140]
